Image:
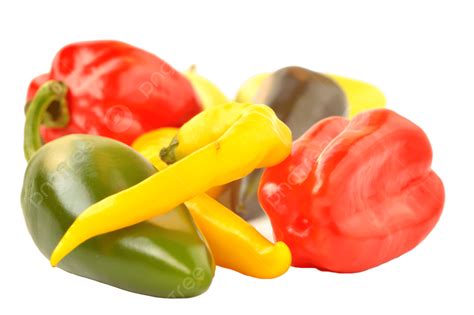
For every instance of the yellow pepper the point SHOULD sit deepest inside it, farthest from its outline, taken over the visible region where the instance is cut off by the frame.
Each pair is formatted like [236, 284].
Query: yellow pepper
[361, 96]
[207, 92]
[222, 144]
[235, 243]
[150, 144]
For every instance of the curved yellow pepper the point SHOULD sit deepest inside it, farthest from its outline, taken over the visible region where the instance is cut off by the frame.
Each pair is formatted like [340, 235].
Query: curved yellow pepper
[235, 243]
[230, 142]
[150, 144]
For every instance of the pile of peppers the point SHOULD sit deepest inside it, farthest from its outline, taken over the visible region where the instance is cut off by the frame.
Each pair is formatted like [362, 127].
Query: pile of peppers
[145, 178]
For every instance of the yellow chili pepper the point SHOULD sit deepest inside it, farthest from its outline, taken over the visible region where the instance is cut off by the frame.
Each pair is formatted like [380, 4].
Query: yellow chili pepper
[150, 144]
[230, 142]
[235, 243]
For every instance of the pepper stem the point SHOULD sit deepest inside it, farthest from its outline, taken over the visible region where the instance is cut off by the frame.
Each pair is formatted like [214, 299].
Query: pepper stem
[192, 68]
[51, 93]
[167, 154]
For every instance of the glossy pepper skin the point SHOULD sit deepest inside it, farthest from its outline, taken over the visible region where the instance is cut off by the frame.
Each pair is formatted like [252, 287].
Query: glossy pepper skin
[154, 257]
[235, 244]
[115, 90]
[353, 195]
[217, 146]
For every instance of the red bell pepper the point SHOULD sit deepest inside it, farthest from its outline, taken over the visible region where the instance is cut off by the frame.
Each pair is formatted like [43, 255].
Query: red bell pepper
[115, 90]
[353, 195]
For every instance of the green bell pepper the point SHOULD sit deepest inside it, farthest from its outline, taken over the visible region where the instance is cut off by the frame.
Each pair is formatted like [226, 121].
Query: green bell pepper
[165, 257]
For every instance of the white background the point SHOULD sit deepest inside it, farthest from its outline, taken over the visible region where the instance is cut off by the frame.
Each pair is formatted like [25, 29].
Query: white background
[420, 54]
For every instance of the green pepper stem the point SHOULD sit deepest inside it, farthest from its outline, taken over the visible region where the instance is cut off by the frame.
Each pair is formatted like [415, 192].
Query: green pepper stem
[50, 93]
[168, 154]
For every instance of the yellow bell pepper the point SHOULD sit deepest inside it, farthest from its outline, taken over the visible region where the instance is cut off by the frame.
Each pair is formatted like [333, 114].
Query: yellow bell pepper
[207, 92]
[235, 243]
[361, 96]
[222, 144]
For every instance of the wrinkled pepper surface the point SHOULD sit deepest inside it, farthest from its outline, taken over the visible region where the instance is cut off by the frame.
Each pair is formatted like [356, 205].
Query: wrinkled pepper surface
[234, 243]
[115, 90]
[222, 144]
[165, 256]
[354, 194]
[300, 98]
